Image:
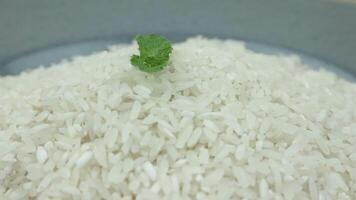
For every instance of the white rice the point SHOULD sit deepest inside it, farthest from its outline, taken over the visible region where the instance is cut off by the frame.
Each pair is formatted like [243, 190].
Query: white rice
[221, 122]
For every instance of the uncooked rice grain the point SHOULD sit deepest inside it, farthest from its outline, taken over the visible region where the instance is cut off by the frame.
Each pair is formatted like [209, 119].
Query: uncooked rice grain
[220, 122]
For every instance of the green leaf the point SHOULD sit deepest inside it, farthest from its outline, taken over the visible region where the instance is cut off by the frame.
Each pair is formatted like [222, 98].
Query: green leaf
[154, 53]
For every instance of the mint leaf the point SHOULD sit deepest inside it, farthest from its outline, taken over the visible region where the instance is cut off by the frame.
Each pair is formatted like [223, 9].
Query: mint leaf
[154, 53]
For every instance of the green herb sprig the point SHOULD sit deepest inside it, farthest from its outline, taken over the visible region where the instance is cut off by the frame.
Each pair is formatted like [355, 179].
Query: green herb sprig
[154, 53]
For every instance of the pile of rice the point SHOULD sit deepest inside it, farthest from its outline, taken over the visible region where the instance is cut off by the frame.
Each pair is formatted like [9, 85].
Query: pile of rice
[221, 122]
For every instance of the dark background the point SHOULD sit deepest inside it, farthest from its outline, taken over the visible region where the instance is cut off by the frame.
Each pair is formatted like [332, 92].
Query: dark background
[320, 28]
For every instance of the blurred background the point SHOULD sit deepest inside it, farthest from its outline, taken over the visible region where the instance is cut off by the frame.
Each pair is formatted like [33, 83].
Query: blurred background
[41, 31]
